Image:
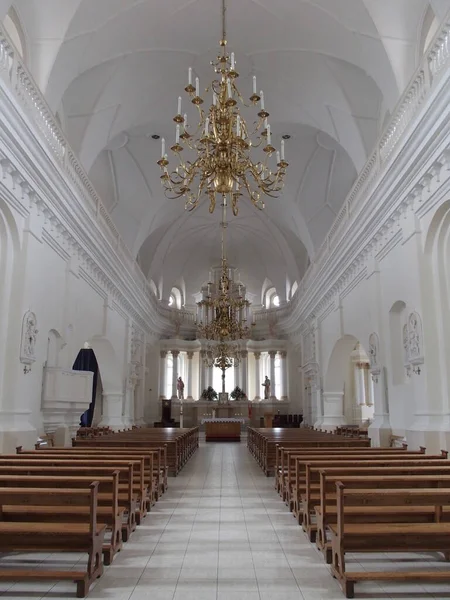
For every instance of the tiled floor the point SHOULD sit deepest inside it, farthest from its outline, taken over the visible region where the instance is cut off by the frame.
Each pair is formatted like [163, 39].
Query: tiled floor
[222, 533]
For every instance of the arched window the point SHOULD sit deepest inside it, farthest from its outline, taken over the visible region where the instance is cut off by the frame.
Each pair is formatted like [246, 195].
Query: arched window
[272, 298]
[13, 28]
[429, 29]
[277, 376]
[229, 380]
[294, 288]
[175, 300]
[153, 287]
[169, 372]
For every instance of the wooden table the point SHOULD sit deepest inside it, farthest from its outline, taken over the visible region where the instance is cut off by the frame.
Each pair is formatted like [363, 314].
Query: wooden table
[225, 430]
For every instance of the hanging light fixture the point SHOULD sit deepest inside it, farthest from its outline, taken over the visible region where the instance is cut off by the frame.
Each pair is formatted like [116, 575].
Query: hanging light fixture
[222, 316]
[214, 156]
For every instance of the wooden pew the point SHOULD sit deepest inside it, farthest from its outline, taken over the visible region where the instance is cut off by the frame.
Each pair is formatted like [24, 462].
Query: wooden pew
[288, 457]
[326, 510]
[364, 461]
[142, 488]
[158, 456]
[181, 443]
[18, 536]
[263, 442]
[388, 537]
[312, 474]
[282, 457]
[124, 496]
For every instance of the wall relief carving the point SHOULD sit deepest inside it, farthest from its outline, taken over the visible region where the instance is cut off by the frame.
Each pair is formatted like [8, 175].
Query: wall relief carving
[415, 338]
[374, 354]
[28, 343]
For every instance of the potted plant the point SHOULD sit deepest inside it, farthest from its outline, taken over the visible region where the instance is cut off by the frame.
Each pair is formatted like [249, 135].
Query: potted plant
[238, 394]
[209, 394]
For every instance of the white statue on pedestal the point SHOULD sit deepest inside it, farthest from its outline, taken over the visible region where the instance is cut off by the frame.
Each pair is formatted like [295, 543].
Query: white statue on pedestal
[266, 386]
[180, 388]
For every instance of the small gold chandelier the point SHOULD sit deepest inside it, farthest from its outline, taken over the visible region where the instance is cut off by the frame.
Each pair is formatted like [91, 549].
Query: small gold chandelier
[221, 144]
[222, 317]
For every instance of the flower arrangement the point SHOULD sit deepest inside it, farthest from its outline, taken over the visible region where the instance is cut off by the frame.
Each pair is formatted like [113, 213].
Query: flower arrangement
[238, 394]
[209, 394]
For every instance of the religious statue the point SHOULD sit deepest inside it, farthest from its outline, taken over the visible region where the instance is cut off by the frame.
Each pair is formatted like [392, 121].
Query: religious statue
[180, 388]
[266, 386]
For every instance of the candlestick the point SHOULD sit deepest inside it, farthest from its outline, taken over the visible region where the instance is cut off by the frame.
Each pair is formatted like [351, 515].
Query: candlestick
[254, 85]
[269, 135]
[190, 76]
[278, 158]
[238, 126]
[197, 87]
[214, 99]
[229, 88]
[185, 120]
[262, 100]
[179, 105]
[207, 126]
[282, 149]
[232, 61]
[177, 136]
[163, 147]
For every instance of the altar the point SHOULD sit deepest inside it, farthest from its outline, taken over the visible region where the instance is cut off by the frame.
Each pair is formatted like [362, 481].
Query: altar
[223, 430]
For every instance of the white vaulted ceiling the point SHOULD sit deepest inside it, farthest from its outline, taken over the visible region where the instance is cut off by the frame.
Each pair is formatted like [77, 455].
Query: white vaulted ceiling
[331, 71]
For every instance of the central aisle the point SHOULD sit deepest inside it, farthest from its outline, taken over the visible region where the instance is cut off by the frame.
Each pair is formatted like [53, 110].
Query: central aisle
[220, 533]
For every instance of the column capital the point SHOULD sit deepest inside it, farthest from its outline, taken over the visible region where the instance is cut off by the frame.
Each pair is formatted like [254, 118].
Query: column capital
[190, 355]
[163, 353]
[175, 353]
[244, 353]
[272, 353]
[283, 353]
[203, 353]
[257, 355]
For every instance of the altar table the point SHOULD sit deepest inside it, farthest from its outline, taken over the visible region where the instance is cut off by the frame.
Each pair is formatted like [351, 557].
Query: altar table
[228, 430]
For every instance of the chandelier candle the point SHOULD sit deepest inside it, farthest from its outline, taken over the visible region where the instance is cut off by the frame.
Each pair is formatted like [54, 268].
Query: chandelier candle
[214, 154]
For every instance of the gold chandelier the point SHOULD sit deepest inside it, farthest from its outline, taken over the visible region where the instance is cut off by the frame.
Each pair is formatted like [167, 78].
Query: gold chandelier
[222, 317]
[220, 144]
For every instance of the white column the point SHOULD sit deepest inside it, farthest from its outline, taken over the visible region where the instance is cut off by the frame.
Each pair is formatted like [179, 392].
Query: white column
[236, 367]
[380, 429]
[244, 371]
[284, 395]
[360, 387]
[316, 397]
[112, 410]
[202, 372]
[257, 375]
[333, 410]
[272, 355]
[163, 374]
[209, 376]
[370, 384]
[175, 354]
[190, 356]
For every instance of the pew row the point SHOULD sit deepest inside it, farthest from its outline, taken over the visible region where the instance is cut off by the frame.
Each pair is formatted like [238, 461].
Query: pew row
[86, 537]
[388, 537]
